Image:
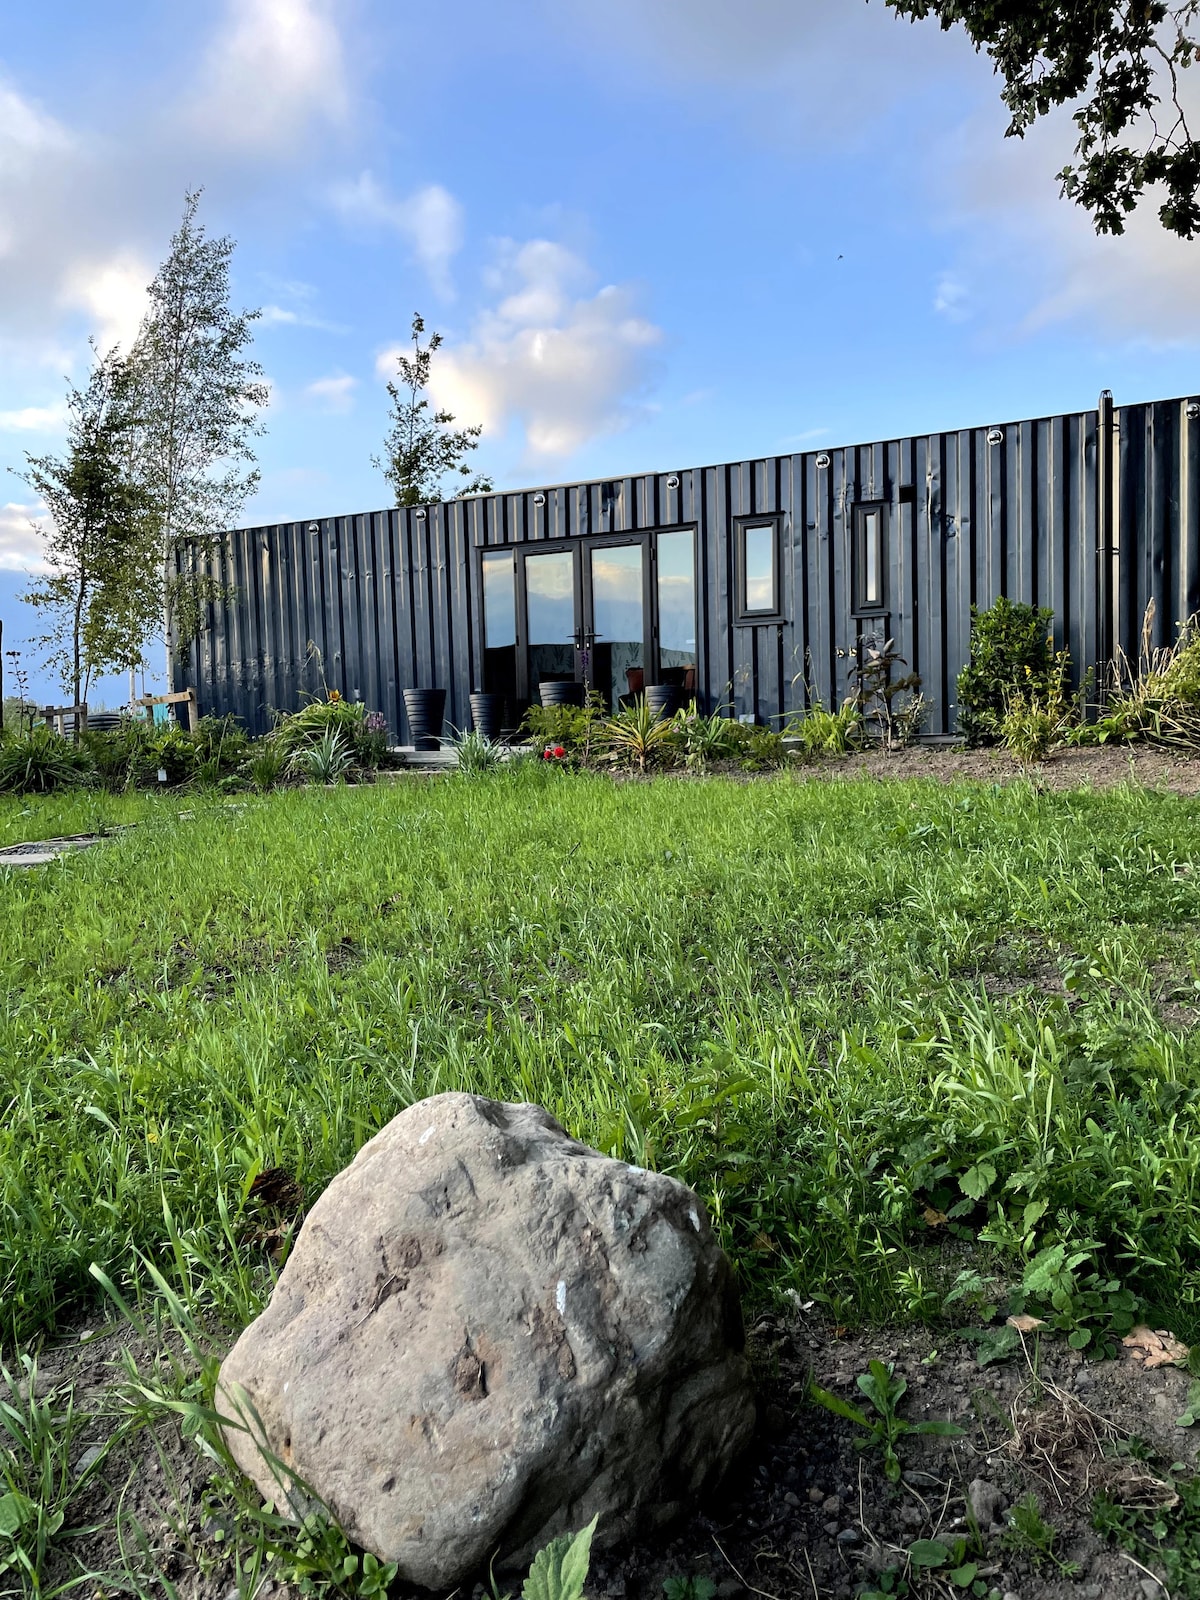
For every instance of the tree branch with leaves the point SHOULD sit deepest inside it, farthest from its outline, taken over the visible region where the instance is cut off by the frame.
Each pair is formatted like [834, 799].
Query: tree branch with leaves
[93, 597]
[421, 447]
[1122, 61]
[199, 396]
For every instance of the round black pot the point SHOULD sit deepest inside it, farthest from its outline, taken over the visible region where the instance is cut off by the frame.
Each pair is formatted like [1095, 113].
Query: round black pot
[664, 699]
[425, 709]
[487, 713]
[560, 692]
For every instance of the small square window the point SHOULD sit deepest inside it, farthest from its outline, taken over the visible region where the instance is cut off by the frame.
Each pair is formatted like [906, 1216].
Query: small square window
[758, 569]
[869, 559]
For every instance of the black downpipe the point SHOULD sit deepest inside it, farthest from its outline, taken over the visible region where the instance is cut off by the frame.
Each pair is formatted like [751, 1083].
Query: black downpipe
[1108, 576]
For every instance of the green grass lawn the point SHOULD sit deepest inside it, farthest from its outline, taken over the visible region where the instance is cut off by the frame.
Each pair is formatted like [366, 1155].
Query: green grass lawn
[843, 1011]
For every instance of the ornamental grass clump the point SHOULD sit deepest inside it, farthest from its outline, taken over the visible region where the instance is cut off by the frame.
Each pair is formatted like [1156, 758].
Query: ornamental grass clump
[40, 761]
[1158, 698]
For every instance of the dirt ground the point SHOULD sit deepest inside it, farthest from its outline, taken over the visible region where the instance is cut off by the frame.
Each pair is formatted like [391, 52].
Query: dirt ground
[806, 1514]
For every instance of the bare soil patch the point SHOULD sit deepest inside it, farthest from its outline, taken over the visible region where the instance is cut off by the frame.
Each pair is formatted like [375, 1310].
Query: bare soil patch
[806, 1513]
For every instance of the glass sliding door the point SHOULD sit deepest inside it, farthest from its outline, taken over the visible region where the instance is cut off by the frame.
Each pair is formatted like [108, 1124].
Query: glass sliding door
[615, 635]
[551, 617]
[676, 582]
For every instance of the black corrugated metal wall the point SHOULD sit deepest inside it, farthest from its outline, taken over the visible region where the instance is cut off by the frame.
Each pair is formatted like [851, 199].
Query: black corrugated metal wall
[391, 599]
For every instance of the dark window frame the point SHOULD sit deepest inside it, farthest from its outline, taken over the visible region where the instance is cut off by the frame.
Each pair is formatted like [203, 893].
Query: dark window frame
[860, 605]
[744, 616]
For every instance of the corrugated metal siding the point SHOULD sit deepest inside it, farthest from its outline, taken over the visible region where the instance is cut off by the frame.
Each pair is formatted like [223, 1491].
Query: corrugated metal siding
[390, 598]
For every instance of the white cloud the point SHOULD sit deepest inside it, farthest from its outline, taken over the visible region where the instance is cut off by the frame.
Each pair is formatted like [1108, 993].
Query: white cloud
[275, 68]
[431, 221]
[335, 393]
[32, 419]
[113, 293]
[952, 298]
[805, 72]
[1029, 259]
[566, 365]
[21, 538]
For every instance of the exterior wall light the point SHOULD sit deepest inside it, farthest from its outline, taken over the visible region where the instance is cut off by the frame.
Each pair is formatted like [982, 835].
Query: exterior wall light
[314, 528]
[673, 481]
[419, 513]
[823, 459]
[1193, 410]
[539, 499]
[995, 436]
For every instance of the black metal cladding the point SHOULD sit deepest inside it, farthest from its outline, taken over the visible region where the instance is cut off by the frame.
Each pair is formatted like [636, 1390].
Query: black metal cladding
[391, 600]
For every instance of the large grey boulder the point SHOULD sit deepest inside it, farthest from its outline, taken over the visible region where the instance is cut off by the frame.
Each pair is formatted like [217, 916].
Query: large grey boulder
[486, 1334]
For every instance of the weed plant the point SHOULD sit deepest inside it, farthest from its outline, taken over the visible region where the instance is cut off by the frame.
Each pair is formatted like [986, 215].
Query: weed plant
[877, 1027]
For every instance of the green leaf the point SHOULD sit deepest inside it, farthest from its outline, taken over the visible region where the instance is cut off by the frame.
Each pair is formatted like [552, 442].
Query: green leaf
[1191, 1412]
[963, 1576]
[977, 1180]
[560, 1571]
[1080, 1338]
[15, 1512]
[928, 1553]
[939, 1430]
[839, 1407]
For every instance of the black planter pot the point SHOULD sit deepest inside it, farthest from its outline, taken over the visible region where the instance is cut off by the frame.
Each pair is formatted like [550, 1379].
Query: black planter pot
[487, 713]
[560, 692]
[664, 699]
[425, 709]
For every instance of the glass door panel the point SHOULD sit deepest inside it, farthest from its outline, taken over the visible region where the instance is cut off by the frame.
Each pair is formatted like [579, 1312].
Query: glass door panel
[617, 635]
[551, 626]
[499, 623]
[677, 610]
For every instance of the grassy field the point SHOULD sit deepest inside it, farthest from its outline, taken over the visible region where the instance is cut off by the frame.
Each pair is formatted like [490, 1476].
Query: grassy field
[891, 1032]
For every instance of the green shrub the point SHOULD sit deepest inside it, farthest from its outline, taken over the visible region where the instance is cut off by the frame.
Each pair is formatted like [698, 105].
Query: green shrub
[760, 749]
[220, 740]
[1159, 700]
[328, 760]
[573, 727]
[700, 740]
[1011, 653]
[827, 733]
[632, 736]
[302, 729]
[266, 766]
[476, 753]
[1037, 721]
[40, 761]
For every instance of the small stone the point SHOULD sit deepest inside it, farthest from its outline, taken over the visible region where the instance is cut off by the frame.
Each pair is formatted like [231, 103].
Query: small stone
[849, 1536]
[830, 1528]
[1161, 1403]
[1011, 1594]
[1152, 1589]
[816, 1495]
[831, 1506]
[1093, 1591]
[616, 1589]
[730, 1589]
[911, 1517]
[89, 1458]
[790, 1499]
[986, 1502]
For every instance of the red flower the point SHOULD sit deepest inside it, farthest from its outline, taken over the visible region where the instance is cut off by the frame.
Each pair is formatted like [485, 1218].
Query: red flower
[559, 752]
[547, 755]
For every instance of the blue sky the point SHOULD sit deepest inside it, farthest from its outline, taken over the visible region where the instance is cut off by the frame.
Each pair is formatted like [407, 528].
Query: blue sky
[654, 233]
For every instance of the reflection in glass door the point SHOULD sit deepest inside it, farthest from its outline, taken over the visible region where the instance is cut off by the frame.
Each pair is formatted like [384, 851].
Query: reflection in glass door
[676, 570]
[551, 626]
[616, 639]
